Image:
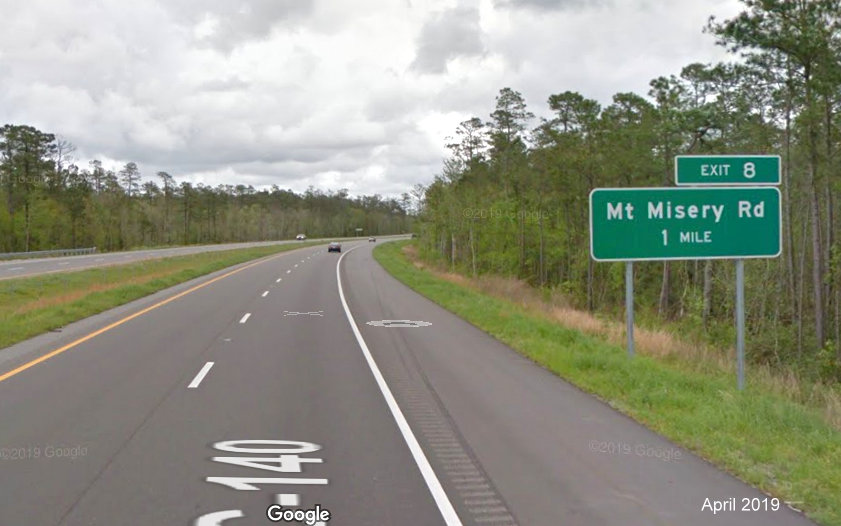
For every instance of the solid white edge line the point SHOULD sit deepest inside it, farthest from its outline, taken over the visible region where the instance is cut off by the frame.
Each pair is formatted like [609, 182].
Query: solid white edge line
[199, 377]
[438, 494]
[245, 318]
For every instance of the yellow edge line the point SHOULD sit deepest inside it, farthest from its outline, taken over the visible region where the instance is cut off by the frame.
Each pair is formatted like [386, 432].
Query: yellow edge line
[130, 317]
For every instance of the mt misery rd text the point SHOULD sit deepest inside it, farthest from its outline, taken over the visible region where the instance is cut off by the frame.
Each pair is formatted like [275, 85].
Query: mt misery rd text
[661, 210]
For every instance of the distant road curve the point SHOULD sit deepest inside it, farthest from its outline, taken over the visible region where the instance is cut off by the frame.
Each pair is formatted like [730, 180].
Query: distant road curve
[24, 268]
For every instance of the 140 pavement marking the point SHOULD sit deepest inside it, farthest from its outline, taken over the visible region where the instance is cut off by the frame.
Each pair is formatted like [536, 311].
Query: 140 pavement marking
[288, 454]
[216, 519]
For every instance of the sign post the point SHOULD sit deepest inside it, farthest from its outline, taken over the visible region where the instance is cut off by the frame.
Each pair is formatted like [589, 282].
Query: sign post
[629, 305]
[740, 322]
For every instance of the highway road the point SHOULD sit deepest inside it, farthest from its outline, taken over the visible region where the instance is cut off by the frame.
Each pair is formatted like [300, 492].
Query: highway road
[20, 268]
[313, 384]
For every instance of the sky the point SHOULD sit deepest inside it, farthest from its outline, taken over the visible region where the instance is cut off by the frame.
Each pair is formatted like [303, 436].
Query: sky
[357, 95]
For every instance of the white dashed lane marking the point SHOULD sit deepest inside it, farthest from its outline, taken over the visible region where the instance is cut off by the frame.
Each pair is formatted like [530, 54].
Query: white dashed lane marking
[199, 377]
[245, 318]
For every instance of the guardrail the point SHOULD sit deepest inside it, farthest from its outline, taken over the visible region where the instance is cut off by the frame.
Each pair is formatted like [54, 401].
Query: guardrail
[48, 253]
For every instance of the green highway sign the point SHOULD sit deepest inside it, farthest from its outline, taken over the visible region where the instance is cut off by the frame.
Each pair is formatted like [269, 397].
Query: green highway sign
[727, 170]
[685, 223]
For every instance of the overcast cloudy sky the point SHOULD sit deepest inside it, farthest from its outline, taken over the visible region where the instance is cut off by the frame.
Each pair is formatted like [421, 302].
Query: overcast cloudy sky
[337, 94]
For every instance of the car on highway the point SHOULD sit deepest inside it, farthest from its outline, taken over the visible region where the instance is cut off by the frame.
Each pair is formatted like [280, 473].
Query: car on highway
[300, 237]
[334, 246]
[372, 240]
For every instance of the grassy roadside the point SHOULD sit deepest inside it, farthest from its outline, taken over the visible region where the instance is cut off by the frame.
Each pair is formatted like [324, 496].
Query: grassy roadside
[787, 449]
[34, 305]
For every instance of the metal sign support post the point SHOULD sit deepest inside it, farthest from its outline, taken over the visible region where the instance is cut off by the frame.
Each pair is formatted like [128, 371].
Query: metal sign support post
[740, 322]
[629, 305]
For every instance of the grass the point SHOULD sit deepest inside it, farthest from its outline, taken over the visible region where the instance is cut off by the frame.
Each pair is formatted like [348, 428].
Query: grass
[34, 305]
[672, 343]
[785, 447]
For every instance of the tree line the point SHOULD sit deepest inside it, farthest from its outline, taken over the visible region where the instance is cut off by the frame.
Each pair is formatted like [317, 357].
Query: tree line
[512, 198]
[50, 202]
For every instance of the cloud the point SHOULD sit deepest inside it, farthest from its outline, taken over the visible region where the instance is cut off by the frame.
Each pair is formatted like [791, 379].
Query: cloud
[224, 84]
[226, 24]
[447, 35]
[549, 5]
[357, 94]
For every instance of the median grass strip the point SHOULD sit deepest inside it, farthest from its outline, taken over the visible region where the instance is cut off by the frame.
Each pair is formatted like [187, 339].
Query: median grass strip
[34, 305]
[785, 448]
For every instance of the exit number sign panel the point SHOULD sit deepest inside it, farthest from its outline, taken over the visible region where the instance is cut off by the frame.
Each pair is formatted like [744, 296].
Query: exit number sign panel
[711, 170]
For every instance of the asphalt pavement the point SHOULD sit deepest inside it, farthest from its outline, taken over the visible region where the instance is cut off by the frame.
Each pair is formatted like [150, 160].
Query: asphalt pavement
[314, 386]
